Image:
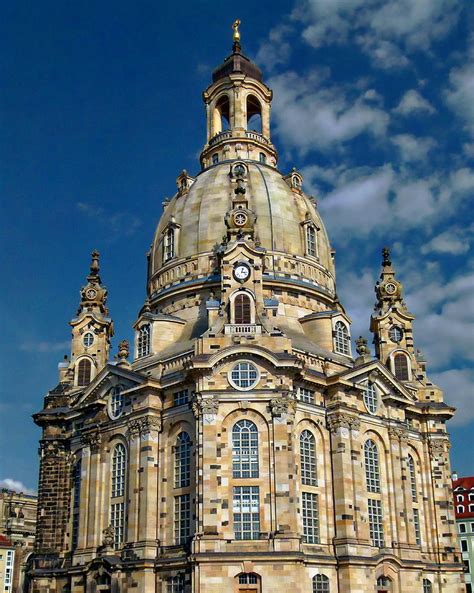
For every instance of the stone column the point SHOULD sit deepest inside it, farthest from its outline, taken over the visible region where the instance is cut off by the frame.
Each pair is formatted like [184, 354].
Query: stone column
[92, 440]
[150, 428]
[205, 409]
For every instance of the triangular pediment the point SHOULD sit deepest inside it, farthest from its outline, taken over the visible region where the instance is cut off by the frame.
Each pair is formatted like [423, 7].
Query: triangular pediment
[109, 377]
[391, 387]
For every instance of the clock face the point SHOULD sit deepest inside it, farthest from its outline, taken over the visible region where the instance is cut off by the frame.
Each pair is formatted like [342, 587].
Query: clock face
[91, 293]
[241, 272]
[390, 288]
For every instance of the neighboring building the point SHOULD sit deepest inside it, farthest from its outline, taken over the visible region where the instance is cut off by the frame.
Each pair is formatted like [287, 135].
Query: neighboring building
[463, 496]
[18, 523]
[7, 560]
[244, 449]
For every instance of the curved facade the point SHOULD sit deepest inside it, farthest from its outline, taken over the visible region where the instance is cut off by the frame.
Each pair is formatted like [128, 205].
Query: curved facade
[244, 447]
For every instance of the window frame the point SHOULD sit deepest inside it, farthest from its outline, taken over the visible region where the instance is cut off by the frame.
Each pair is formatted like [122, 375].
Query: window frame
[372, 466]
[243, 497]
[308, 458]
[233, 370]
[144, 340]
[321, 583]
[245, 449]
[341, 338]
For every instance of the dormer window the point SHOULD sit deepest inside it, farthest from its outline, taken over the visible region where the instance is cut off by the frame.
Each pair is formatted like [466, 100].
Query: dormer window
[311, 241]
[169, 244]
[143, 341]
[341, 339]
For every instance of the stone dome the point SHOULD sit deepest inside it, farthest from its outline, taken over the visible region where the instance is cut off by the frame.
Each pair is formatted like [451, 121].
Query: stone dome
[281, 211]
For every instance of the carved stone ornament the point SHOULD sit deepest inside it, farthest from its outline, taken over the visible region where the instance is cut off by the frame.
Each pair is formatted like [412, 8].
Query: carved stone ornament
[53, 448]
[142, 427]
[337, 421]
[91, 439]
[285, 405]
[398, 432]
[108, 537]
[205, 406]
[438, 447]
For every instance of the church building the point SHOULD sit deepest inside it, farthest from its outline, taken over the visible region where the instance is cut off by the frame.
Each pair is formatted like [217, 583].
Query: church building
[240, 445]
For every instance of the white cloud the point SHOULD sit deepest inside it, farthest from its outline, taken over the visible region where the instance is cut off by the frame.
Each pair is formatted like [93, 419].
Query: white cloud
[277, 49]
[309, 114]
[413, 148]
[413, 102]
[454, 241]
[457, 385]
[391, 28]
[11, 484]
[460, 94]
[44, 346]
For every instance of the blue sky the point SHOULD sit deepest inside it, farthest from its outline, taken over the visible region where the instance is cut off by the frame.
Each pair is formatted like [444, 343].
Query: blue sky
[101, 109]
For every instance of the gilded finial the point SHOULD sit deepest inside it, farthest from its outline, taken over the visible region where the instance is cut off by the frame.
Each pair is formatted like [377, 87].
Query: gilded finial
[236, 36]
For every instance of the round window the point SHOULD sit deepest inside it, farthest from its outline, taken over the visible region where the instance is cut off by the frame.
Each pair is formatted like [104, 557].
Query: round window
[116, 403]
[244, 375]
[396, 334]
[88, 339]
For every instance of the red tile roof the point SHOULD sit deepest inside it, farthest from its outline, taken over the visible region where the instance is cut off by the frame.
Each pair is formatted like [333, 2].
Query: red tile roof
[463, 487]
[5, 542]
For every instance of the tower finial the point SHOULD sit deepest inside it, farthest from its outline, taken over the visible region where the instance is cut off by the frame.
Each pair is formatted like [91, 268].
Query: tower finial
[236, 36]
[95, 263]
[386, 257]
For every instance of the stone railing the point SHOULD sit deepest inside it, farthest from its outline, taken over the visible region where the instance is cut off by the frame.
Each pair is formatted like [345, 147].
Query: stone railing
[256, 136]
[243, 329]
[219, 137]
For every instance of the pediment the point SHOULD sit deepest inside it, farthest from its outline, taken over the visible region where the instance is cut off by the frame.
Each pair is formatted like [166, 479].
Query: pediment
[109, 377]
[390, 387]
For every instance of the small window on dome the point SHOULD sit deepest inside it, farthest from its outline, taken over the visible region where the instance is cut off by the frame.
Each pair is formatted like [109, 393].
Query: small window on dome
[168, 244]
[143, 341]
[341, 338]
[88, 339]
[311, 241]
[262, 158]
[215, 158]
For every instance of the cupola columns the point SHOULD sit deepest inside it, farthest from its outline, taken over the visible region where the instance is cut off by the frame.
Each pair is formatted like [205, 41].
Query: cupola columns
[238, 112]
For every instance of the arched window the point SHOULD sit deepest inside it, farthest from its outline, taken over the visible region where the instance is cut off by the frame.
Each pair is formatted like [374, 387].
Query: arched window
[242, 309]
[308, 458]
[254, 114]
[248, 582]
[320, 584]
[117, 507]
[427, 586]
[262, 158]
[168, 244]
[460, 498]
[311, 242]
[460, 508]
[245, 450]
[372, 469]
[384, 585]
[182, 461]
[215, 158]
[143, 341]
[412, 472]
[400, 367]
[341, 338]
[84, 369]
[221, 115]
[370, 397]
